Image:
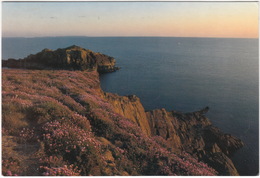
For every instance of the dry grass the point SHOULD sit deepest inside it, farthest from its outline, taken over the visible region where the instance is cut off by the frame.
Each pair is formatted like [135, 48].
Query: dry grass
[26, 155]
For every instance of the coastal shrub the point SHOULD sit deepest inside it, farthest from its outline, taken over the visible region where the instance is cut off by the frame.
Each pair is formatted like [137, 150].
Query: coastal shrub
[61, 171]
[13, 117]
[46, 111]
[72, 104]
[28, 135]
[54, 109]
[75, 145]
[101, 125]
[70, 117]
[5, 132]
[56, 166]
[81, 121]
[14, 79]
[10, 167]
[53, 161]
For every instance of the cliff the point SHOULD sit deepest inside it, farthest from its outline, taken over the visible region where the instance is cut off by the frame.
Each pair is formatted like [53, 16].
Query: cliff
[60, 122]
[131, 108]
[71, 58]
[189, 132]
[194, 133]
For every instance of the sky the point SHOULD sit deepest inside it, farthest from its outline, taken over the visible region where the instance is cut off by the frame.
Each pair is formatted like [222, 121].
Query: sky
[173, 19]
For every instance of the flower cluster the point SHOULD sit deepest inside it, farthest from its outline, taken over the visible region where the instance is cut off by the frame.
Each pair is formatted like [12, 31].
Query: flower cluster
[9, 173]
[27, 135]
[61, 171]
[9, 166]
[52, 161]
[64, 137]
[82, 134]
[94, 101]
[5, 131]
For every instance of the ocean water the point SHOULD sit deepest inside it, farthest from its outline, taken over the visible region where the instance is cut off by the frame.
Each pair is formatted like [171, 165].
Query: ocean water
[183, 74]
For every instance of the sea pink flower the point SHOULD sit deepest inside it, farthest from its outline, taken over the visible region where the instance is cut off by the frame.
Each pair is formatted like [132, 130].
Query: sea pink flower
[9, 173]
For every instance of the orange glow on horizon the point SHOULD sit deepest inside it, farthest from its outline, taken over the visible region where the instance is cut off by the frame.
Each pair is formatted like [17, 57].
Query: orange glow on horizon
[173, 19]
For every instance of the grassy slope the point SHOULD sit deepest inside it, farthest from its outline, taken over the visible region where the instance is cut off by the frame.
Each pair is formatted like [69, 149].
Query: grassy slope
[62, 118]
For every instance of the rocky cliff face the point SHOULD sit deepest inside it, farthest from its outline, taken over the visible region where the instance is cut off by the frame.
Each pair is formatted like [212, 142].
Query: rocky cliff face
[194, 133]
[190, 132]
[72, 58]
[131, 108]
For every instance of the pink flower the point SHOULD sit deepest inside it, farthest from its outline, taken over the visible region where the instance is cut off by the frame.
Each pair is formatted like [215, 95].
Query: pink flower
[9, 173]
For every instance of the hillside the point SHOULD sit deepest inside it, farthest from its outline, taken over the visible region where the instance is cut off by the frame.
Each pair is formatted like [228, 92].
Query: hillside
[60, 122]
[71, 127]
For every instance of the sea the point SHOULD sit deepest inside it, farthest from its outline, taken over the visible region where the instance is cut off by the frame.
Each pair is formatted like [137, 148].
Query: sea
[181, 74]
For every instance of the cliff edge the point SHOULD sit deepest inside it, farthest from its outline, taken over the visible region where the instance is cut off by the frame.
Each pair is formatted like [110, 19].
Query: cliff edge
[183, 132]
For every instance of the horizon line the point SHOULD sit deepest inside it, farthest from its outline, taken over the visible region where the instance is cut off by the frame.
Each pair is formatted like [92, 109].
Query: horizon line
[126, 37]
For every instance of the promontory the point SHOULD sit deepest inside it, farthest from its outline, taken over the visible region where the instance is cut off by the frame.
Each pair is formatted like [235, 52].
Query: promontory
[71, 58]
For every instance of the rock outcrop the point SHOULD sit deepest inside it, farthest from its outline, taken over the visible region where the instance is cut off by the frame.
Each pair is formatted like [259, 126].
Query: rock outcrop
[71, 58]
[189, 132]
[131, 108]
[194, 133]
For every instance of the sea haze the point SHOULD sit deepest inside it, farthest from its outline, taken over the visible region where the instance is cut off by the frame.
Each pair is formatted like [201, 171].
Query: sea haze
[183, 74]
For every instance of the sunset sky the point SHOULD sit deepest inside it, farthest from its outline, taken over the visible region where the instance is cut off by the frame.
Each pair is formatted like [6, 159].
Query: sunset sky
[177, 19]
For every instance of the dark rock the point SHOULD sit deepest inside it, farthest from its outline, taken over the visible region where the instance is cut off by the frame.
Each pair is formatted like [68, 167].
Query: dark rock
[194, 133]
[191, 132]
[221, 163]
[226, 142]
[71, 58]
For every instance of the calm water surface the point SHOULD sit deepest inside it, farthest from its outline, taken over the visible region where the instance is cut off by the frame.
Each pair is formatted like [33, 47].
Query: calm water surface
[183, 74]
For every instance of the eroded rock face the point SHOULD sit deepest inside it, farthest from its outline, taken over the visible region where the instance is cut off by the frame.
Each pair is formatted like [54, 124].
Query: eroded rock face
[194, 133]
[71, 58]
[189, 132]
[131, 108]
